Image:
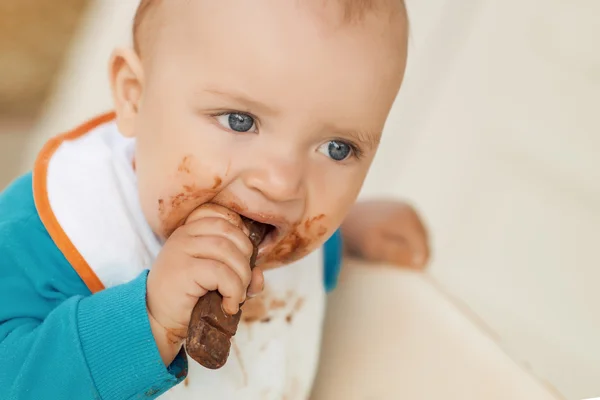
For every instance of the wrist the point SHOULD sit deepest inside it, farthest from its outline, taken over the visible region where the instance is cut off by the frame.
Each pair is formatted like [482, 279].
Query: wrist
[168, 341]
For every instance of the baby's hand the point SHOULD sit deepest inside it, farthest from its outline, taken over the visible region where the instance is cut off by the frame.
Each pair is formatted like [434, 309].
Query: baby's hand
[387, 231]
[210, 252]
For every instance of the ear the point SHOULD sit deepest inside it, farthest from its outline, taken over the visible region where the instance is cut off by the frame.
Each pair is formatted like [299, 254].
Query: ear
[126, 80]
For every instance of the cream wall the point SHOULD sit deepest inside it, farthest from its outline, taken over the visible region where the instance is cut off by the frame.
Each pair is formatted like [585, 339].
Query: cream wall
[82, 89]
[495, 137]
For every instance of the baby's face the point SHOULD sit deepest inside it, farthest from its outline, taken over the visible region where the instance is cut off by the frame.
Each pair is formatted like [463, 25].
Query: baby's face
[268, 108]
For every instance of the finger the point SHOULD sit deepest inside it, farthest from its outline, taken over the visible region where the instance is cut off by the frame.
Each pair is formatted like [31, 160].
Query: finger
[209, 275]
[395, 250]
[411, 219]
[217, 211]
[417, 241]
[257, 284]
[214, 226]
[420, 224]
[220, 249]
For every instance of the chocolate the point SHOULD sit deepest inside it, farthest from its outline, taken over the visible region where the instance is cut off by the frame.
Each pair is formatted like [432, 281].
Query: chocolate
[211, 329]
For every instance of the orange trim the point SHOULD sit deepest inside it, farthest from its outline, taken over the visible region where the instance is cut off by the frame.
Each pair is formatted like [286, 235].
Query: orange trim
[42, 202]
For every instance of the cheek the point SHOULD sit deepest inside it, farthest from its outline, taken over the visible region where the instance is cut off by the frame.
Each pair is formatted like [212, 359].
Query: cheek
[169, 198]
[174, 209]
[334, 188]
[179, 160]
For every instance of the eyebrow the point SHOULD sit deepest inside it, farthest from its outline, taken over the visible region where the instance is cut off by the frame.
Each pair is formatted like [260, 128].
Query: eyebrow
[244, 100]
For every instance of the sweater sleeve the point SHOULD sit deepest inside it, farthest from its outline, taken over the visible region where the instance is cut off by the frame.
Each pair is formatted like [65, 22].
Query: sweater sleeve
[57, 341]
[332, 260]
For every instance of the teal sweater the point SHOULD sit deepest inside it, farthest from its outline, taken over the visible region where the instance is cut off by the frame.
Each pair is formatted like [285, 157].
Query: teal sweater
[57, 340]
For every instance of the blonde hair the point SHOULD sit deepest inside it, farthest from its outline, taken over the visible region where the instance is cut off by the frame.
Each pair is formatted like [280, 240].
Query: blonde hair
[351, 10]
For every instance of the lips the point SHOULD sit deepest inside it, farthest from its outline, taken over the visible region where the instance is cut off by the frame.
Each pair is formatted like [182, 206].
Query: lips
[276, 228]
[269, 234]
[274, 222]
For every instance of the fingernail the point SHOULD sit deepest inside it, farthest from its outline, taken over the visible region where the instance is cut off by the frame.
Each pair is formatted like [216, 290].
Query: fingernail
[253, 294]
[226, 312]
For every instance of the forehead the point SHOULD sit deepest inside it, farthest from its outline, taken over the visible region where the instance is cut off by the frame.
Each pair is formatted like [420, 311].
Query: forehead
[265, 47]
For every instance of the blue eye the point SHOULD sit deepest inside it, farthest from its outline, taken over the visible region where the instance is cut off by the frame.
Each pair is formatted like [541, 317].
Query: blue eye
[237, 122]
[336, 150]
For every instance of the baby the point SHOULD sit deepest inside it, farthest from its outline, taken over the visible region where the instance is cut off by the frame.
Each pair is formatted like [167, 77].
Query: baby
[270, 110]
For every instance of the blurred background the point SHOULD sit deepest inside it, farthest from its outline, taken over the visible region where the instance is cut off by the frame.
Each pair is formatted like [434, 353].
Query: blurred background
[34, 39]
[495, 138]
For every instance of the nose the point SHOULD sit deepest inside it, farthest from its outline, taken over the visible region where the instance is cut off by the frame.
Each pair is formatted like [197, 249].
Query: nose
[277, 179]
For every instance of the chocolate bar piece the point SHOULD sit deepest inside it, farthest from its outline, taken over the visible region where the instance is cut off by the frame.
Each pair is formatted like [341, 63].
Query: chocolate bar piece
[211, 329]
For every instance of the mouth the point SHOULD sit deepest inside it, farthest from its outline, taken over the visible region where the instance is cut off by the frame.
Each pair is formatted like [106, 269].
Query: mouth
[257, 231]
[263, 234]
